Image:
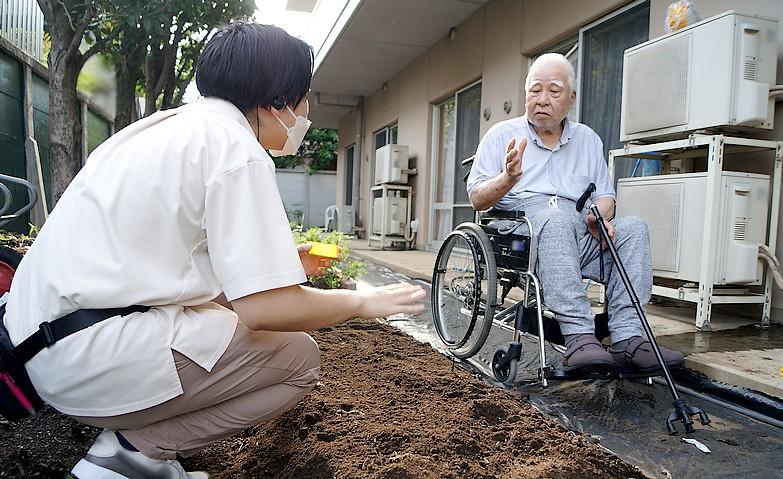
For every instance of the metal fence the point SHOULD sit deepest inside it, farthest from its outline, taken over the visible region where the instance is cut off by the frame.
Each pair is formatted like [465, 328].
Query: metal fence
[21, 23]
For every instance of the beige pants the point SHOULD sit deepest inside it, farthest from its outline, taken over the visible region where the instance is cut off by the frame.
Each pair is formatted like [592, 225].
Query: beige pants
[261, 375]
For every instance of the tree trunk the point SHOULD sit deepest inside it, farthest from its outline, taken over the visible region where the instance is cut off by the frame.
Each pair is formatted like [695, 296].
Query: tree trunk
[64, 126]
[65, 61]
[129, 71]
[159, 71]
[168, 90]
[182, 86]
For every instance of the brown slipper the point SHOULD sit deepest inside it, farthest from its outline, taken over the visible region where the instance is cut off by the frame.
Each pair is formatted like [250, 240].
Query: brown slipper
[586, 354]
[638, 356]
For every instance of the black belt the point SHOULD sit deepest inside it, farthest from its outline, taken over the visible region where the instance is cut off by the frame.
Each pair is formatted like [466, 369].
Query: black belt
[50, 332]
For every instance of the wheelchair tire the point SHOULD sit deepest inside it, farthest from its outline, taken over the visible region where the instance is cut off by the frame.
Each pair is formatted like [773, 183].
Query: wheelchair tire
[463, 281]
[507, 373]
[9, 262]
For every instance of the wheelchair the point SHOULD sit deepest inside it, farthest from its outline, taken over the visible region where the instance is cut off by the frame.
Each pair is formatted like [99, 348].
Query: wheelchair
[470, 264]
[9, 258]
[476, 270]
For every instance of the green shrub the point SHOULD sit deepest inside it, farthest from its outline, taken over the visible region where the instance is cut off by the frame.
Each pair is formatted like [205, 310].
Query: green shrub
[342, 269]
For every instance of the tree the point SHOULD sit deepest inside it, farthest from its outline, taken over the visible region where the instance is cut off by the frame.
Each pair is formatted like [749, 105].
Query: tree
[67, 22]
[177, 37]
[318, 151]
[154, 43]
[157, 46]
[127, 53]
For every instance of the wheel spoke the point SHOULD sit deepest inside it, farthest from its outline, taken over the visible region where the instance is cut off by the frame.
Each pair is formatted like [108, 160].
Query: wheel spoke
[463, 284]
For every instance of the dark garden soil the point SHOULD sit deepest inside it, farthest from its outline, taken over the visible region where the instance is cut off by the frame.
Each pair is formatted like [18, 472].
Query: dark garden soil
[386, 407]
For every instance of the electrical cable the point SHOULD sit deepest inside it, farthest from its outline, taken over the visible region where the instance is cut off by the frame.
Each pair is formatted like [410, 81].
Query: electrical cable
[774, 265]
[768, 251]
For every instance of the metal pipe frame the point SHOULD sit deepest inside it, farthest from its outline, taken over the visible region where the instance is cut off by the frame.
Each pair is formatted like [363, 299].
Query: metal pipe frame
[706, 295]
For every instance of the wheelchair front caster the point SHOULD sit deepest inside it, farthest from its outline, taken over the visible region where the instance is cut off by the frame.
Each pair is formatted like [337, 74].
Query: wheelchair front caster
[505, 364]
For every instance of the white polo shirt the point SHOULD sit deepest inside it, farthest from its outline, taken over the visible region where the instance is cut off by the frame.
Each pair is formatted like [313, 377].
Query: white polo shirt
[565, 170]
[169, 212]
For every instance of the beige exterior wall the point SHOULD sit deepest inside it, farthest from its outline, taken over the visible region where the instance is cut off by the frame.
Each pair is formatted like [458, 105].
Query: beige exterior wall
[408, 99]
[546, 23]
[491, 45]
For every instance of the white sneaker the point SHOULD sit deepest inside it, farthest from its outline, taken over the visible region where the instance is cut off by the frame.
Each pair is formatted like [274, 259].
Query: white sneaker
[107, 459]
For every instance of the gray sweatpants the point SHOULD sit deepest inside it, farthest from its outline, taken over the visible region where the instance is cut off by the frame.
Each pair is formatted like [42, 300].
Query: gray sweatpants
[567, 253]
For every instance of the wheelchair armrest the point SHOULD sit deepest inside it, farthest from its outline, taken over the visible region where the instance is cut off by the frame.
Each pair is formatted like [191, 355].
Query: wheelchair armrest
[495, 214]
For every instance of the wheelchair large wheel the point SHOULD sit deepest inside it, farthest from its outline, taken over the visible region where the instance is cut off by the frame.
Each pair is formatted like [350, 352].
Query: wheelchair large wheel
[9, 262]
[464, 286]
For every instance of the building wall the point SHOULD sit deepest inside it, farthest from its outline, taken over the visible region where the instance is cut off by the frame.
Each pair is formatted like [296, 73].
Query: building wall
[414, 129]
[492, 46]
[489, 46]
[408, 98]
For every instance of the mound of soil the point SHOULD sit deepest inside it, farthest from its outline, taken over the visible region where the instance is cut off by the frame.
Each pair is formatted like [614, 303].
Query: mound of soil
[386, 407]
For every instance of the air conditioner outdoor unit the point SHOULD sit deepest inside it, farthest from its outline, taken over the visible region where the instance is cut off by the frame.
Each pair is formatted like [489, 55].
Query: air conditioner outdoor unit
[390, 163]
[345, 219]
[712, 74]
[673, 207]
[396, 208]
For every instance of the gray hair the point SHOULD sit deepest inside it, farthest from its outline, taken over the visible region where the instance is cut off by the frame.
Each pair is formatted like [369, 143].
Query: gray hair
[553, 58]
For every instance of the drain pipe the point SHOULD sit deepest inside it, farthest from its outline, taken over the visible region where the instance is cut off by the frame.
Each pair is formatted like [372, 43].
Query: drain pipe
[357, 162]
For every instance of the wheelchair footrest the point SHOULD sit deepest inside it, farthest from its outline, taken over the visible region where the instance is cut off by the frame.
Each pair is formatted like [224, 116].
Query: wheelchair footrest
[557, 374]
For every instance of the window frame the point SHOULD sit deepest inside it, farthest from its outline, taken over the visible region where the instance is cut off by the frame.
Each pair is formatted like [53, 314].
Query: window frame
[608, 17]
[390, 131]
[433, 243]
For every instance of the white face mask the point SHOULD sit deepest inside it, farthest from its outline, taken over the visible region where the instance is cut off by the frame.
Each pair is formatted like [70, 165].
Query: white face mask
[296, 134]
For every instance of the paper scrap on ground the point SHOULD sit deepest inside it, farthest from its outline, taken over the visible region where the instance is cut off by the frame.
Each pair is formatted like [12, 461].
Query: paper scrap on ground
[696, 443]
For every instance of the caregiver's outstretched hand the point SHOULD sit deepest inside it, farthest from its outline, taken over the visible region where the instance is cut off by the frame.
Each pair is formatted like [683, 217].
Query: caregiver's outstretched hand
[392, 299]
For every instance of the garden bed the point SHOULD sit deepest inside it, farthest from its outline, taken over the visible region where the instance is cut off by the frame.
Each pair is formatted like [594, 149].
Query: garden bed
[386, 407]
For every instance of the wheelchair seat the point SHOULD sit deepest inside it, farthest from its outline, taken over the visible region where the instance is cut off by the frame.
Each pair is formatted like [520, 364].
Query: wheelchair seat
[510, 250]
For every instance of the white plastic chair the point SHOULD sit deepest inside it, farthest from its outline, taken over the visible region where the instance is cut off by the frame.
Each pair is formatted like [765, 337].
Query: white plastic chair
[330, 216]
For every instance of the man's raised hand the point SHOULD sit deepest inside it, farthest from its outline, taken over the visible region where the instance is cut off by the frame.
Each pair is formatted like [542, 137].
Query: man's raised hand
[513, 163]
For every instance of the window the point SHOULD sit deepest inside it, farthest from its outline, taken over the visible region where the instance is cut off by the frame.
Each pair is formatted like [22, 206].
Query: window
[602, 47]
[597, 56]
[349, 152]
[456, 123]
[386, 135]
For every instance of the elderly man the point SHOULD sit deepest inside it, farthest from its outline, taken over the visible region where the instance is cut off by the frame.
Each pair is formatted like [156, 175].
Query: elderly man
[541, 163]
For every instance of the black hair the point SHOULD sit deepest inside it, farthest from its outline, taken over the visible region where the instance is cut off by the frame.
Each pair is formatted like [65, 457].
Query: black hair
[254, 65]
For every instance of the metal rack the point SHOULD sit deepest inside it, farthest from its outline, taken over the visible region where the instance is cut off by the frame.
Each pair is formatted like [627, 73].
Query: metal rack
[381, 191]
[717, 146]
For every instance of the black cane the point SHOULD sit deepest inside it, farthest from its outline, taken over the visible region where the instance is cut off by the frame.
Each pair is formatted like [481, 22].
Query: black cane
[682, 411]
